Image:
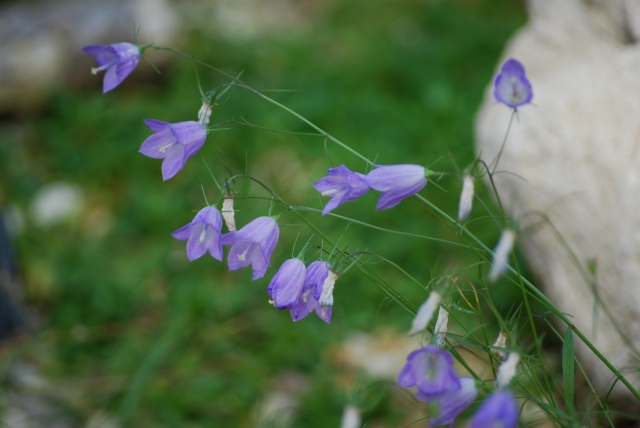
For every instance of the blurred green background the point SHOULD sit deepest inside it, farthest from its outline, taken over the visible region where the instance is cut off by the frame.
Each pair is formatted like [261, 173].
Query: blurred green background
[128, 327]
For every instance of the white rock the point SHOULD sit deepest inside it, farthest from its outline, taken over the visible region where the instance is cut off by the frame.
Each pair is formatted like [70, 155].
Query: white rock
[578, 150]
[56, 202]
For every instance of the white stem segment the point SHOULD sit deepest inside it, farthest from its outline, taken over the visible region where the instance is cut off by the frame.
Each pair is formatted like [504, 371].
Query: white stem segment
[425, 313]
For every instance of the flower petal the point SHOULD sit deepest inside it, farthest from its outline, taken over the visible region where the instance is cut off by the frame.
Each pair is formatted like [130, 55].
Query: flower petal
[286, 286]
[156, 145]
[173, 162]
[183, 233]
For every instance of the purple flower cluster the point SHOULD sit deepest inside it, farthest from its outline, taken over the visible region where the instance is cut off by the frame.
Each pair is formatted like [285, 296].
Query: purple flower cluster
[173, 142]
[430, 369]
[299, 289]
[396, 182]
[251, 245]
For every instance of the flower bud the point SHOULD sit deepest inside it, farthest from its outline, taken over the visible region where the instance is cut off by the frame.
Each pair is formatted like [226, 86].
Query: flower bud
[205, 113]
[326, 295]
[228, 214]
[501, 254]
[425, 313]
[507, 370]
[351, 417]
[501, 342]
[441, 327]
[466, 197]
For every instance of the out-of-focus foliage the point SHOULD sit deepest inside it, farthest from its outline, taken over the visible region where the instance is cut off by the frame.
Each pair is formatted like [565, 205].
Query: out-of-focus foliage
[129, 325]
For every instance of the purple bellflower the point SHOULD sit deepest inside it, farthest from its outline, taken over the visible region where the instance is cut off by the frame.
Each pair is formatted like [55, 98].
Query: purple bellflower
[202, 234]
[499, 410]
[342, 185]
[449, 405]
[286, 285]
[511, 86]
[252, 245]
[396, 182]
[173, 142]
[118, 59]
[308, 301]
[431, 370]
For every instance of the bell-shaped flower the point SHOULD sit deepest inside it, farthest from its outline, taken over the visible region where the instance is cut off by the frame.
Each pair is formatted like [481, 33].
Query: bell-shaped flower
[466, 197]
[252, 245]
[342, 185]
[431, 370]
[286, 285]
[317, 273]
[202, 234]
[118, 60]
[173, 142]
[511, 86]
[396, 182]
[501, 254]
[448, 406]
[500, 409]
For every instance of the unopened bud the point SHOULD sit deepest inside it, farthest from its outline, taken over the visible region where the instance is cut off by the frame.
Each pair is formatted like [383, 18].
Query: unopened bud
[425, 313]
[501, 254]
[351, 417]
[501, 342]
[466, 197]
[228, 214]
[205, 113]
[441, 327]
[326, 297]
[507, 370]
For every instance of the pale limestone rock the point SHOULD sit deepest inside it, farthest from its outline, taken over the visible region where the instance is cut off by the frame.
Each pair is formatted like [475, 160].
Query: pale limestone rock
[577, 151]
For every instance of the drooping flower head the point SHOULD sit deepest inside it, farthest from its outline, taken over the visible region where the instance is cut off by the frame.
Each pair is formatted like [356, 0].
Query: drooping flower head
[511, 86]
[431, 370]
[342, 185]
[202, 234]
[118, 59]
[173, 142]
[252, 245]
[396, 182]
[317, 273]
[500, 409]
[286, 285]
[448, 406]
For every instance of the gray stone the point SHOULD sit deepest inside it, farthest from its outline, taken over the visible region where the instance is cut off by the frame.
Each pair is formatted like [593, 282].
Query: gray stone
[576, 153]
